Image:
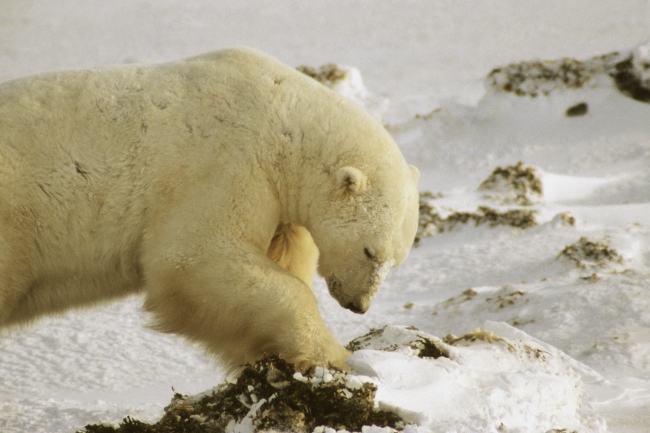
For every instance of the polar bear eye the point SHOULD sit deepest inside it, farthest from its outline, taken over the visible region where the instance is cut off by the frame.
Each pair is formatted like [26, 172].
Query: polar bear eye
[369, 254]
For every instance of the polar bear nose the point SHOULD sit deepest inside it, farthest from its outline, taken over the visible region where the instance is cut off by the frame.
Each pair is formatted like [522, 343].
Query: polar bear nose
[355, 309]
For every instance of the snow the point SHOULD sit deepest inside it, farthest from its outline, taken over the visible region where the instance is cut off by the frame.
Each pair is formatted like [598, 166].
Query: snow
[347, 81]
[591, 318]
[479, 384]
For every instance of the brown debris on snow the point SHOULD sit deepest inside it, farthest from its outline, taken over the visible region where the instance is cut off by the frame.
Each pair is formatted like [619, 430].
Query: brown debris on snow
[285, 401]
[477, 335]
[630, 81]
[587, 253]
[629, 71]
[423, 347]
[506, 297]
[518, 184]
[490, 337]
[542, 76]
[577, 110]
[327, 74]
[430, 221]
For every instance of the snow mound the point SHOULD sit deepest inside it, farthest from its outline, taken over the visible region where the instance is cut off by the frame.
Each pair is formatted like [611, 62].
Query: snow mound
[346, 81]
[477, 382]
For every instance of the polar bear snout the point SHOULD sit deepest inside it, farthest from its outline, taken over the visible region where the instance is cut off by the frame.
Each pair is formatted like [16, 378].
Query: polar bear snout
[355, 309]
[358, 304]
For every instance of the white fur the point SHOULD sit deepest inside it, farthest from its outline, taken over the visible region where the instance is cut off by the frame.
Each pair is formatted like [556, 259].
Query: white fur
[208, 183]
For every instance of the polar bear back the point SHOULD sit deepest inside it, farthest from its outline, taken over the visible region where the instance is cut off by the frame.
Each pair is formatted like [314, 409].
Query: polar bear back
[110, 143]
[88, 159]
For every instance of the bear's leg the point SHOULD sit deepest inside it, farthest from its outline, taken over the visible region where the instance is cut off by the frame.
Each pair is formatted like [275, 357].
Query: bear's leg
[16, 304]
[13, 302]
[240, 306]
[294, 250]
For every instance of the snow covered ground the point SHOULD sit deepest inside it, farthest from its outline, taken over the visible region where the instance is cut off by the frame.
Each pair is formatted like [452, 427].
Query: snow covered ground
[574, 286]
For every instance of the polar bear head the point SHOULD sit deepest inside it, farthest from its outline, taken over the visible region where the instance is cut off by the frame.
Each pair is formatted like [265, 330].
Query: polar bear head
[366, 228]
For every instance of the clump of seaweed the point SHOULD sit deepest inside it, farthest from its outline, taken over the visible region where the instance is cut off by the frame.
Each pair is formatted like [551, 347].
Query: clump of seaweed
[506, 297]
[477, 335]
[563, 219]
[523, 349]
[588, 253]
[580, 109]
[465, 296]
[519, 184]
[630, 80]
[327, 74]
[541, 77]
[361, 342]
[431, 223]
[519, 218]
[516, 184]
[421, 345]
[630, 72]
[272, 395]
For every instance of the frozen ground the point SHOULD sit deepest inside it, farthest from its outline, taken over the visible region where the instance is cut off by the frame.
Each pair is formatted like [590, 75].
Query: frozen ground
[588, 306]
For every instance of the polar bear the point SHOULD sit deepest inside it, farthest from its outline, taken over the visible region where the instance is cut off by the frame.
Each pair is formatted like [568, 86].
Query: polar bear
[215, 185]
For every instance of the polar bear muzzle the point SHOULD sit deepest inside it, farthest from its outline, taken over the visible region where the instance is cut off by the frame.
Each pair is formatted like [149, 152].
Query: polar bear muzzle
[354, 308]
[358, 297]
[337, 291]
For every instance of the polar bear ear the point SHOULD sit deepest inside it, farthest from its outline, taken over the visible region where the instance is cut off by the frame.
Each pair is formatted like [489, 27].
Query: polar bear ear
[351, 179]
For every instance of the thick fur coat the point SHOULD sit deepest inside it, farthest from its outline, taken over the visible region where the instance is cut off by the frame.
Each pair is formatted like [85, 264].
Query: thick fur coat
[212, 184]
